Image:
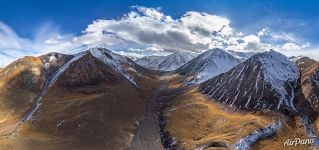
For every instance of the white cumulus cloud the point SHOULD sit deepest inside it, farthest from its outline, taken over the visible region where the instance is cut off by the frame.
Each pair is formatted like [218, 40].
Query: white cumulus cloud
[144, 31]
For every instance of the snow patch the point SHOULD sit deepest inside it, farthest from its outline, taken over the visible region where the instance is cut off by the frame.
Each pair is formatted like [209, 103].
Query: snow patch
[311, 132]
[60, 123]
[116, 62]
[260, 134]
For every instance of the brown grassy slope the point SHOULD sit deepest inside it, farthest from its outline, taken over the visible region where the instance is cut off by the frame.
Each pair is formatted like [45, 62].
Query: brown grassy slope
[89, 113]
[19, 84]
[304, 63]
[194, 121]
[308, 83]
[24, 74]
[176, 81]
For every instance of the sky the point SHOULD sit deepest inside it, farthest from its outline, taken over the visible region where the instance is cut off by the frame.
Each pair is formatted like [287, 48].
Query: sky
[157, 27]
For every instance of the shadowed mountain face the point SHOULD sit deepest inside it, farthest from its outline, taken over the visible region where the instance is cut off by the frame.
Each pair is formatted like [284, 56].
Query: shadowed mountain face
[310, 80]
[87, 71]
[265, 81]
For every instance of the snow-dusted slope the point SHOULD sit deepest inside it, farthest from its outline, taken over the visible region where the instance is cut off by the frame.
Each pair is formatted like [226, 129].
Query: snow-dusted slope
[150, 61]
[207, 65]
[116, 61]
[242, 55]
[265, 81]
[54, 61]
[166, 63]
[245, 143]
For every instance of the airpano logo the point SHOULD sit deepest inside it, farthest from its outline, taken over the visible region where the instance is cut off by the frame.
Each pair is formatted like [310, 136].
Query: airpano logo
[297, 141]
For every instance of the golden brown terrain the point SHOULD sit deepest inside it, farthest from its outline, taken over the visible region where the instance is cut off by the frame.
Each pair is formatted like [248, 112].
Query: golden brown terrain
[20, 82]
[84, 110]
[194, 120]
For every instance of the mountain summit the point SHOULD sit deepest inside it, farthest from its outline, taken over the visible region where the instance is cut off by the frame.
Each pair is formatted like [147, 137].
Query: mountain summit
[207, 65]
[166, 63]
[264, 81]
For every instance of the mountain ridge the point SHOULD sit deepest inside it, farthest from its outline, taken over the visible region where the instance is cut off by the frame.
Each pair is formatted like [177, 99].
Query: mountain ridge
[166, 63]
[207, 65]
[271, 76]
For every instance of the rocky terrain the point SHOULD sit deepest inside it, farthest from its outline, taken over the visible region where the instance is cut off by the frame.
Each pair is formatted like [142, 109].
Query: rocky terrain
[309, 80]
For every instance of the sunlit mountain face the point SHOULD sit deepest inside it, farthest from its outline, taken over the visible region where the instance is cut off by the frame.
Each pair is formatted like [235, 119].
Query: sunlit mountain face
[200, 76]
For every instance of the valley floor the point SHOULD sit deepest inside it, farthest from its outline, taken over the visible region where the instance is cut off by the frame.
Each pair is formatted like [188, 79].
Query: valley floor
[147, 136]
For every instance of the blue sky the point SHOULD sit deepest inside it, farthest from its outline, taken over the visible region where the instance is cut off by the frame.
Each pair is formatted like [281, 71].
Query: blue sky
[30, 25]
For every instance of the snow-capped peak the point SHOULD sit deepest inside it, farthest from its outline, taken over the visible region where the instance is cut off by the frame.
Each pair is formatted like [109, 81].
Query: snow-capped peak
[278, 70]
[278, 66]
[113, 60]
[207, 65]
[166, 63]
[266, 80]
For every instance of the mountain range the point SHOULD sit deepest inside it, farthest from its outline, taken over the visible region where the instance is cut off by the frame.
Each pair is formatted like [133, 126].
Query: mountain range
[166, 63]
[97, 99]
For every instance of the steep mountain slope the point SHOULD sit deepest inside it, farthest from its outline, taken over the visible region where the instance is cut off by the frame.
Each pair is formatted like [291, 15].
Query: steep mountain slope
[265, 81]
[87, 71]
[166, 63]
[310, 80]
[125, 66]
[20, 83]
[23, 79]
[207, 65]
[304, 63]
